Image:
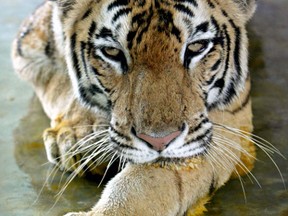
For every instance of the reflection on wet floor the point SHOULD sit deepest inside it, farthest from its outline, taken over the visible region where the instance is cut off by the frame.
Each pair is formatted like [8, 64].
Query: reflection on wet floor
[31, 189]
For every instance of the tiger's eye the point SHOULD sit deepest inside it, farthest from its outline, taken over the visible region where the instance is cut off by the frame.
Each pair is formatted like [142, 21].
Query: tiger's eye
[194, 49]
[110, 51]
[197, 47]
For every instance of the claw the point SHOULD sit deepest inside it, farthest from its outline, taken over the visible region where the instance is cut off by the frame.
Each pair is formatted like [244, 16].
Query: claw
[51, 147]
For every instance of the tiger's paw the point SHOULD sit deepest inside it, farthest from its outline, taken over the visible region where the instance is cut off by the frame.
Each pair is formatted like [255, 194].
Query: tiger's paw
[71, 145]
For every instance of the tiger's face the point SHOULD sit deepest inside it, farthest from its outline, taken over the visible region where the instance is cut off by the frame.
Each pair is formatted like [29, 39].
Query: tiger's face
[156, 69]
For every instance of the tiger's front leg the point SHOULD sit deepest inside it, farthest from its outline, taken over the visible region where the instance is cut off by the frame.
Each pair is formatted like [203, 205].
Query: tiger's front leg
[155, 191]
[147, 190]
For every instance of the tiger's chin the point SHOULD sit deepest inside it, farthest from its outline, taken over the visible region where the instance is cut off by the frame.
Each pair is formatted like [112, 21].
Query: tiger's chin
[189, 163]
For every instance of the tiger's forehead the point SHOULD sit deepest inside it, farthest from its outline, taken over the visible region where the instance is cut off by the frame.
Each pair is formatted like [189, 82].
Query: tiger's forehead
[130, 22]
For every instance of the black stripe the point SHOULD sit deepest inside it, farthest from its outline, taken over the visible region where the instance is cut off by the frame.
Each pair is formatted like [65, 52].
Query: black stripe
[224, 13]
[202, 115]
[211, 5]
[219, 83]
[228, 44]
[230, 93]
[165, 17]
[200, 125]
[104, 32]
[139, 19]
[109, 105]
[118, 3]
[122, 145]
[166, 22]
[121, 12]
[242, 106]
[87, 14]
[130, 37]
[193, 2]
[218, 41]
[211, 80]
[124, 64]
[92, 29]
[83, 57]
[90, 91]
[49, 49]
[95, 71]
[203, 144]
[90, 49]
[216, 65]
[75, 60]
[200, 137]
[94, 89]
[237, 50]
[213, 49]
[176, 32]
[85, 95]
[98, 57]
[145, 29]
[203, 27]
[215, 23]
[121, 150]
[184, 9]
[120, 134]
[88, 96]
[204, 139]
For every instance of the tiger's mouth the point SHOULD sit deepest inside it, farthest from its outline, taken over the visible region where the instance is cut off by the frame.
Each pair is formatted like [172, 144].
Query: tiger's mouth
[181, 150]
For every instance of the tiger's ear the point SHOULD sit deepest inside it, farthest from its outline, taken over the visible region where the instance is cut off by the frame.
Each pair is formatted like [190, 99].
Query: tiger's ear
[247, 7]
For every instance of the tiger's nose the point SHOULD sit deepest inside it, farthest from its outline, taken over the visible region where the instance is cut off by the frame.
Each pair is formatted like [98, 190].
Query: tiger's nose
[159, 143]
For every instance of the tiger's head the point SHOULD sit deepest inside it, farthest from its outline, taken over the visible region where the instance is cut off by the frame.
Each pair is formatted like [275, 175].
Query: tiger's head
[156, 68]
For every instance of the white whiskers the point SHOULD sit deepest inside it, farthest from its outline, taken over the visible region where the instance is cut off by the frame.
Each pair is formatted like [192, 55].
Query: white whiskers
[224, 145]
[226, 162]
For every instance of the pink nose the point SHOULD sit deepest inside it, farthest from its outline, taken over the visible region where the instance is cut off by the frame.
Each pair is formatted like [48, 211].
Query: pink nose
[159, 143]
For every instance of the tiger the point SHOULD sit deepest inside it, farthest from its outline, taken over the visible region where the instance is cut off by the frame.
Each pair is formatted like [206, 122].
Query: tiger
[161, 86]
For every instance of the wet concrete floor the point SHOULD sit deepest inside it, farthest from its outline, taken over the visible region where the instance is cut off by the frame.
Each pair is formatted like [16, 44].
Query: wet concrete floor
[23, 163]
